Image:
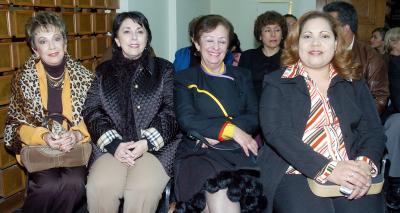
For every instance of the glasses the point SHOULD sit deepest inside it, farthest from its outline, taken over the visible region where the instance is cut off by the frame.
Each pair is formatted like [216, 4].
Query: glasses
[215, 41]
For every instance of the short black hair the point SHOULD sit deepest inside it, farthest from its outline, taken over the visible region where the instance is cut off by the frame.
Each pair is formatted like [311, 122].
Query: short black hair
[136, 17]
[347, 14]
[290, 15]
[235, 43]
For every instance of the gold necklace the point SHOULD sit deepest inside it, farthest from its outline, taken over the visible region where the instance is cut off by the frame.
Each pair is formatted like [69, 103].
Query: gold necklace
[55, 82]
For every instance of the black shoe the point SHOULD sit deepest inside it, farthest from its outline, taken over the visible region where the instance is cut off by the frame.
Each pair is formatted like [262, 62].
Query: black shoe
[393, 196]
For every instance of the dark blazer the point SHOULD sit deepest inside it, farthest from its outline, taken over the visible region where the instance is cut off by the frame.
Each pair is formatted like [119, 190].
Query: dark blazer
[198, 112]
[284, 111]
[153, 105]
[394, 79]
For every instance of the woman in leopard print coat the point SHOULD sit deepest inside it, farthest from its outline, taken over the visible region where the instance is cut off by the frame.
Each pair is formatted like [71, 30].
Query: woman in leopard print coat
[51, 83]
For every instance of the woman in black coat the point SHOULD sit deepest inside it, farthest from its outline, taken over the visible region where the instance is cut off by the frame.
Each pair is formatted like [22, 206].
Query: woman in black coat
[319, 122]
[216, 101]
[129, 114]
[270, 31]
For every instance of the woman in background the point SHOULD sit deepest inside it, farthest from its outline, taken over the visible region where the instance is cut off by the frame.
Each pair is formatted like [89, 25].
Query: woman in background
[290, 20]
[377, 40]
[235, 49]
[270, 31]
[392, 124]
[51, 83]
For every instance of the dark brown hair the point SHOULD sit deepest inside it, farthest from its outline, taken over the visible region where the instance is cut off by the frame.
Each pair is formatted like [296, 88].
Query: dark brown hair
[268, 18]
[341, 61]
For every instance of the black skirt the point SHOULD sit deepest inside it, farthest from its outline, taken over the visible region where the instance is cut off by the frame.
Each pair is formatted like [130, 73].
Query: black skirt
[194, 167]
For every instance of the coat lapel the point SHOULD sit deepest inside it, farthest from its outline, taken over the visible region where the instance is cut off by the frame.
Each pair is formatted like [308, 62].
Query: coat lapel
[343, 93]
[297, 93]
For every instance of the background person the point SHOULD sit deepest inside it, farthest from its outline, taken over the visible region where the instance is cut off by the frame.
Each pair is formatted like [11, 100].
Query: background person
[373, 66]
[392, 124]
[235, 49]
[290, 20]
[270, 31]
[377, 40]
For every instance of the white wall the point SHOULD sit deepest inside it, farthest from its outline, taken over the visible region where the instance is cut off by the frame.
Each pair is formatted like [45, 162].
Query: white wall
[185, 12]
[243, 13]
[158, 17]
[169, 19]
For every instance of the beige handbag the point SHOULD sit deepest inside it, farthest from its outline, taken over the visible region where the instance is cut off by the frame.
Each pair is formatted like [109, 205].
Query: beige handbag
[39, 158]
[333, 190]
[329, 189]
[43, 157]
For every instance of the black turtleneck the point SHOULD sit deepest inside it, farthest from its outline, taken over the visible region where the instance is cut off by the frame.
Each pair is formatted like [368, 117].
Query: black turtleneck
[54, 96]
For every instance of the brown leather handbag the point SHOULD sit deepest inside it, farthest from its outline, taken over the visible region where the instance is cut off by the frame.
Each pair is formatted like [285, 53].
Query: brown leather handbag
[42, 157]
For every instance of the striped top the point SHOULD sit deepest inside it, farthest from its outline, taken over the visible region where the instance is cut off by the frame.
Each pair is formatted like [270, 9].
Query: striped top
[322, 131]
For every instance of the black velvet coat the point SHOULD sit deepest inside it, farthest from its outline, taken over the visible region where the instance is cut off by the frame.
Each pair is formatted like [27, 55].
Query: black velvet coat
[145, 100]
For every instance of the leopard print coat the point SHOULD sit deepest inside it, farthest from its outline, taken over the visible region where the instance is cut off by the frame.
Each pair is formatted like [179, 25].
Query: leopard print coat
[26, 103]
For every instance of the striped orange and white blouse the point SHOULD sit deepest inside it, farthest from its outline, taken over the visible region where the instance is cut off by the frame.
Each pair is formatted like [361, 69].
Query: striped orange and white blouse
[322, 131]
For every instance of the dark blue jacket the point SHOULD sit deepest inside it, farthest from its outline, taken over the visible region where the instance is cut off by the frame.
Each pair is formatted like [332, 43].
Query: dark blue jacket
[284, 111]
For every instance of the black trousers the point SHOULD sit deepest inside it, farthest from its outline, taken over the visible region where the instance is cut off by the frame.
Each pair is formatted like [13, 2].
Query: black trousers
[56, 190]
[294, 196]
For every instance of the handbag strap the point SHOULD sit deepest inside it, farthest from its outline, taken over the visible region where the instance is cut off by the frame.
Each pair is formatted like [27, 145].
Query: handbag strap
[200, 140]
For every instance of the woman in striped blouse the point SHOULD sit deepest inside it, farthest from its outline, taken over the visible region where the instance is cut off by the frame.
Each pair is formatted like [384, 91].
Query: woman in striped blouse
[319, 122]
